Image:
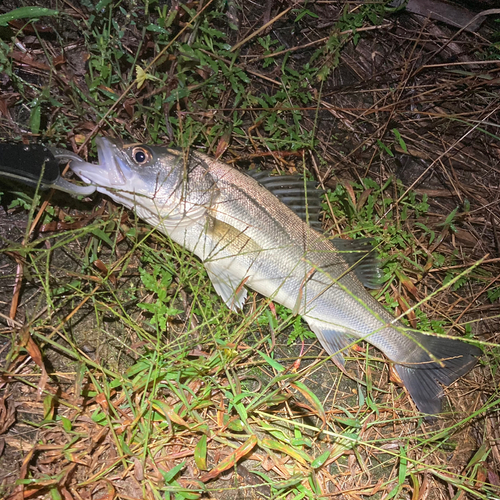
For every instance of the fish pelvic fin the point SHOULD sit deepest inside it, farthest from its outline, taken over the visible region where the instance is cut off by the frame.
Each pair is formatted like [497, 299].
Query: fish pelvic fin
[435, 362]
[228, 286]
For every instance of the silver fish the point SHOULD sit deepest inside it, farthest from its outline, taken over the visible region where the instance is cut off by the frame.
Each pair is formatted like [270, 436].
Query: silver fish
[246, 237]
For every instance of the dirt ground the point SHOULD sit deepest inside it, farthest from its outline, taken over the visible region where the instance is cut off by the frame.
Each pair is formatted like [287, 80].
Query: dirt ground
[435, 84]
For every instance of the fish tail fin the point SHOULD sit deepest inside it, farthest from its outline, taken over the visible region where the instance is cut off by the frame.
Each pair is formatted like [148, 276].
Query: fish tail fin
[433, 363]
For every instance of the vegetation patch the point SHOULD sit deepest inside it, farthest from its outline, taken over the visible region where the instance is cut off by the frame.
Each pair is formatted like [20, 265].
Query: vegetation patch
[124, 375]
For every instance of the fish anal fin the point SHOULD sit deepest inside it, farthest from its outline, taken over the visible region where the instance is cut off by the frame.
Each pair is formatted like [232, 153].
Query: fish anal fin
[334, 341]
[229, 287]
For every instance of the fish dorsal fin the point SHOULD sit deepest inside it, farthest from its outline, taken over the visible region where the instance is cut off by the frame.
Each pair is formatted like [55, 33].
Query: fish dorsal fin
[362, 258]
[303, 198]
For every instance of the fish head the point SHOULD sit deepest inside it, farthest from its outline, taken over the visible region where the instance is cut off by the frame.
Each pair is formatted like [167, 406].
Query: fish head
[162, 185]
[129, 171]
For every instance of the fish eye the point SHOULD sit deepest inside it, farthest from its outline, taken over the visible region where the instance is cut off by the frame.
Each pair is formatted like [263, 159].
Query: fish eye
[141, 155]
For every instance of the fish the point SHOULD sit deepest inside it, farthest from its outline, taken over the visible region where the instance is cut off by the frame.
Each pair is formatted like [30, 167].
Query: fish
[252, 232]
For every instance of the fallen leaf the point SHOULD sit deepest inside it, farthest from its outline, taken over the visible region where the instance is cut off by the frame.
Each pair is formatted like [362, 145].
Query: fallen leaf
[232, 459]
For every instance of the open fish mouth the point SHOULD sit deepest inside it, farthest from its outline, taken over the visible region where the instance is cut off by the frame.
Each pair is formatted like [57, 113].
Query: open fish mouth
[111, 170]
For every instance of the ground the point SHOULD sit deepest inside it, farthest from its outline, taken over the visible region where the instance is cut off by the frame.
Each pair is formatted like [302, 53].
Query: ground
[123, 375]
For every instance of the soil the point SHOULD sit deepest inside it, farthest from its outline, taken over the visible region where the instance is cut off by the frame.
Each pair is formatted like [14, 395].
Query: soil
[438, 87]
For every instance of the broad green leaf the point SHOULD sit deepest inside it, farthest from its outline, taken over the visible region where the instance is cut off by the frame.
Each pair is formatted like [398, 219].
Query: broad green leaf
[200, 453]
[319, 461]
[277, 366]
[169, 476]
[26, 13]
[312, 398]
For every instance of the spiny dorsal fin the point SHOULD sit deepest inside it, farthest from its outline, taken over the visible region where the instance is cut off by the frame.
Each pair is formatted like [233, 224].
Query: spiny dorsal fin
[362, 258]
[303, 198]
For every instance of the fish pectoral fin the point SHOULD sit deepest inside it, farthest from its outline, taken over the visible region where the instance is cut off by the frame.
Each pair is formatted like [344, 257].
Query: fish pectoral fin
[335, 342]
[230, 287]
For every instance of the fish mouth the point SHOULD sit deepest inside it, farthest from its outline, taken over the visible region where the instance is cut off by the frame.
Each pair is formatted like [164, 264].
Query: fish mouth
[111, 170]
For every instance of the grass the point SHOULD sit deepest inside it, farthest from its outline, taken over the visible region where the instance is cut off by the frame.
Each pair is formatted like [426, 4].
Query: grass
[130, 377]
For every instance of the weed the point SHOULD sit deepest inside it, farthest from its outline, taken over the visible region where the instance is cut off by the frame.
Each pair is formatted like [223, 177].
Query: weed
[141, 371]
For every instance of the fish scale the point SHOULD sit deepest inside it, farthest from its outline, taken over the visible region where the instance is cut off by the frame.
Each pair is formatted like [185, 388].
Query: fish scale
[246, 237]
[293, 251]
